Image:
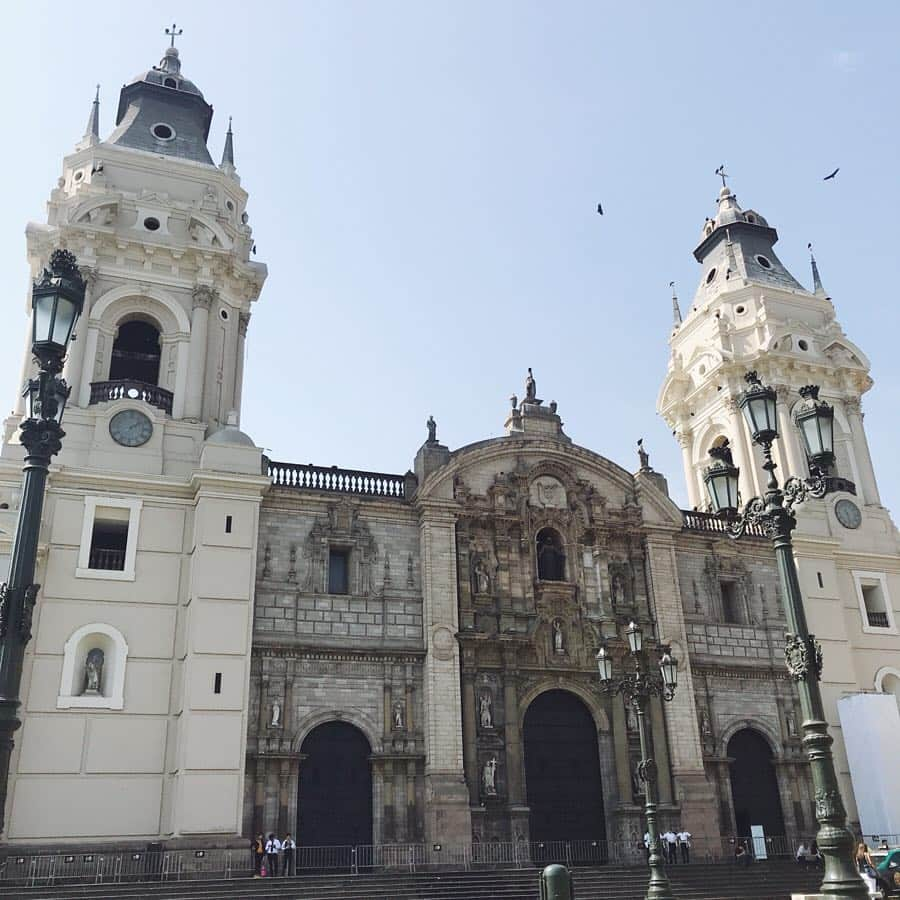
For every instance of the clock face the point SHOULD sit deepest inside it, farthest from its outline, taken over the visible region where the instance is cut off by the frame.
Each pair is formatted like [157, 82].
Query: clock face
[130, 428]
[848, 513]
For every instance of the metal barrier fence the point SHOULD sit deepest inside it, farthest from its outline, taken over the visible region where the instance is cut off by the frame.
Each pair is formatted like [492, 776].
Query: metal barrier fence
[198, 864]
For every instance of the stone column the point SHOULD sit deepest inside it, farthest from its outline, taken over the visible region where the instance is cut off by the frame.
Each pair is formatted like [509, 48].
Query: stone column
[695, 500]
[243, 323]
[661, 749]
[620, 751]
[284, 797]
[259, 800]
[89, 358]
[448, 819]
[792, 457]
[412, 827]
[784, 775]
[470, 736]
[743, 452]
[388, 830]
[869, 486]
[72, 371]
[515, 763]
[202, 296]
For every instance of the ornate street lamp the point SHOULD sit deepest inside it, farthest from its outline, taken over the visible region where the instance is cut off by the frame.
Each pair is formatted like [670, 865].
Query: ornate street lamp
[636, 688]
[56, 298]
[721, 479]
[803, 653]
[815, 421]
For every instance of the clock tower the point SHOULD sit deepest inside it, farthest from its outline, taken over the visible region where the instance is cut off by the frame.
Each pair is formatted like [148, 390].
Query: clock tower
[149, 542]
[750, 312]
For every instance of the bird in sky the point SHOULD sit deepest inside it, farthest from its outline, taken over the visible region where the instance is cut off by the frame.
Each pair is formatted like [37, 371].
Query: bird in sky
[600, 209]
[828, 177]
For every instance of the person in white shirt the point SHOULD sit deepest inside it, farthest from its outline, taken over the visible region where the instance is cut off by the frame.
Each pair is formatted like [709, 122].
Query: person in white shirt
[273, 849]
[672, 846]
[289, 850]
[684, 842]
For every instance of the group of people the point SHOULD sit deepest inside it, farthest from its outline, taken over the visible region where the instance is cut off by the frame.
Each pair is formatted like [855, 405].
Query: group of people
[272, 856]
[673, 844]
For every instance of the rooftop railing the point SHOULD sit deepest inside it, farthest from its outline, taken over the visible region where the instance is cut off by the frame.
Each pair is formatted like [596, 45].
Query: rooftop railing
[337, 481]
[129, 389]
[711, 522]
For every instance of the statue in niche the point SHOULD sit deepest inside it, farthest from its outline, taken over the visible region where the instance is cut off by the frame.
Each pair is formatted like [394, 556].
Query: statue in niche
[705, 728]
[530, 388]
[275, 721]
[558, 639]
[432, 430]
[489, 776]
[399, 723]
[482, 578]
[486, 710]
[637, 783]
[631, 724]
[791, 723]
[93, 671]
[618, 589]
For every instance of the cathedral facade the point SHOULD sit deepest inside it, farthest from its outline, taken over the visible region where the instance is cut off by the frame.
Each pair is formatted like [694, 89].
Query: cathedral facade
[362, 658]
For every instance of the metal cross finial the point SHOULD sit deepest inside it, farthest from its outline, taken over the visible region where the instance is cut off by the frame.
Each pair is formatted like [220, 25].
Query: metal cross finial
[722, 174]
[173, 33]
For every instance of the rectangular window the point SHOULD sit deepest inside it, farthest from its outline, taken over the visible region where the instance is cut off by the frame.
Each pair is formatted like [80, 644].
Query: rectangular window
[821, 582]
[873, 598]
[227, 524]
[217, 683]
[731, 603]
[109, 539]
[338, 571]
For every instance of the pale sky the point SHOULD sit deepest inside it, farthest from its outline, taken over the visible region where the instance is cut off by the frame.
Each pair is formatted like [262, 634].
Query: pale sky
[423, 184]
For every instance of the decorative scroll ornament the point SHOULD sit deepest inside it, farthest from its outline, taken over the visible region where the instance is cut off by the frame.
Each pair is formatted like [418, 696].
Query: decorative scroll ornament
[829, 805]
[803, 655]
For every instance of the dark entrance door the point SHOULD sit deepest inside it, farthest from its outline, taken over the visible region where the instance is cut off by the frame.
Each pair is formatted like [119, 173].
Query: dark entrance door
[754, 787]
[562, 776]
[335, 795]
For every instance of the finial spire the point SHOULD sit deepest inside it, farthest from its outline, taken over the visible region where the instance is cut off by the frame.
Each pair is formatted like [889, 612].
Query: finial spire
[228, 153]
[92, 129]
[676, 309]
[172, 33]
[722, 174]
[818, 290]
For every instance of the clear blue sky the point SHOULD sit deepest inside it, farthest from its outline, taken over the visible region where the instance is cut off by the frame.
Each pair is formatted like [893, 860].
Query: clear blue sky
[424, 180]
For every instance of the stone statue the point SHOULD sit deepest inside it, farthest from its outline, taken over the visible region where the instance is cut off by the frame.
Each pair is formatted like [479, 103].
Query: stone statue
[705, 729]
[432, 430]
[482, 579]
[643, 455]
[618, 590]
[489, 776]
[530, 388]
[275, 721]
[399, 724]
[485, 710]
[631, 724]
[93, 671]
[558, 645]
[637, 783]
[791, 724]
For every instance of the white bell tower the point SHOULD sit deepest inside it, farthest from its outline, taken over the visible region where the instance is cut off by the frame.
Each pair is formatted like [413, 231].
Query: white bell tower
[750, 313]
[148, 548]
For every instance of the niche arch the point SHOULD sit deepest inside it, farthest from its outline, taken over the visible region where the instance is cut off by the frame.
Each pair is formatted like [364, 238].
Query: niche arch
[111, 695]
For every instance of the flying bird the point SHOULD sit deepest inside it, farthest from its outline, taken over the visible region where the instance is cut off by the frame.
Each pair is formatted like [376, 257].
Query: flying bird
[827, 177]
[600, 209]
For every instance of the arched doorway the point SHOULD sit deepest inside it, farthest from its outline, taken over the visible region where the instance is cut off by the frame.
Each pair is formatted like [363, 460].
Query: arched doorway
[754, 787]
[334, 801]
[136, 353]
[562, 770]
[551, 558]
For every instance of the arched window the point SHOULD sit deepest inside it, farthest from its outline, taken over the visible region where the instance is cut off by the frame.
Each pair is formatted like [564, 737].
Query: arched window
[135, 353]
[551, 557]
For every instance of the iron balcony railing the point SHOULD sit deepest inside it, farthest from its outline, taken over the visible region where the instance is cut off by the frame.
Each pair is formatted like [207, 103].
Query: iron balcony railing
[112, 560]
[337, 481]
[878, 619]
[711, 522]
[129, 389]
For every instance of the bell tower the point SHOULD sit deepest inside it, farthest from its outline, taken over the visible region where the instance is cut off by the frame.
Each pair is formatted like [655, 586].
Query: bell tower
[162, 236]
[137, 674]
[750, 313]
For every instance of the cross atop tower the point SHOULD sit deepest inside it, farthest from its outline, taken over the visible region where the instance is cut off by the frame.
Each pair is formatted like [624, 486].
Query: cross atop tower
[720, 171]
[173, 33]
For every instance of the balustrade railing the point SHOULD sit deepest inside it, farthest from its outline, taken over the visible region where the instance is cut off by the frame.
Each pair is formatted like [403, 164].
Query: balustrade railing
[112, 560]
[127, 388]
[711, 522]
[877, 619]
[335, 480]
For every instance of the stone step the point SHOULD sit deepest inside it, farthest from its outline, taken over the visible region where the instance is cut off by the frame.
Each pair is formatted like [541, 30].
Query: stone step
[763, 881]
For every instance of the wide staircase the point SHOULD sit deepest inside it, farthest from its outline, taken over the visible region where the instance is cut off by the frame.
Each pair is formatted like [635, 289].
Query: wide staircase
[772, 880]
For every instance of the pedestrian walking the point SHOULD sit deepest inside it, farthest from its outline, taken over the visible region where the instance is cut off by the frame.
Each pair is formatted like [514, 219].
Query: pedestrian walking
[259, 854]
[289, 852]
[684, 844]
